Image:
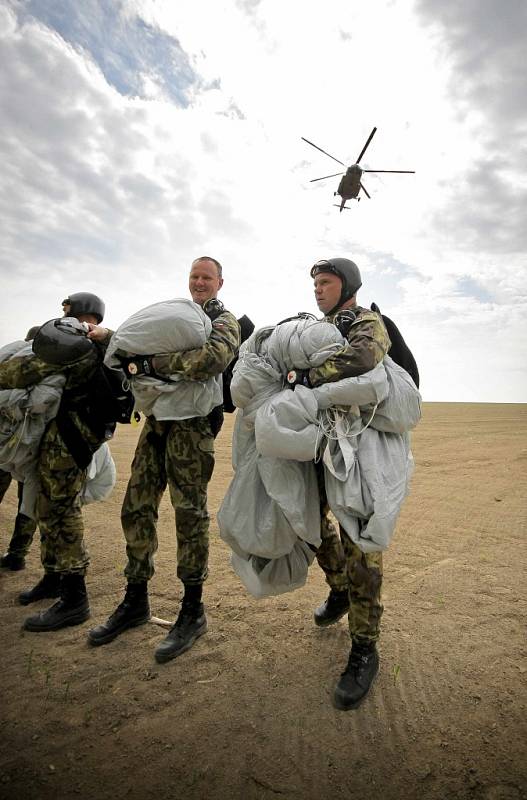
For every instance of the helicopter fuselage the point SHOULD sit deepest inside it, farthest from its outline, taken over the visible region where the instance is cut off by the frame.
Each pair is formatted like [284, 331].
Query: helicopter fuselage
[349, 186]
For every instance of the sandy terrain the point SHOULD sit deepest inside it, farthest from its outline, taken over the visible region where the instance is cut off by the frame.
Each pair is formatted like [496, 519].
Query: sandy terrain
[246, 713]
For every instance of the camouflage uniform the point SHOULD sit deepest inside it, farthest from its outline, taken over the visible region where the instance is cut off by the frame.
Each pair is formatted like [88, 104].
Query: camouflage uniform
[180, 453]
[344, 564]
[61, 479]
[25, 527]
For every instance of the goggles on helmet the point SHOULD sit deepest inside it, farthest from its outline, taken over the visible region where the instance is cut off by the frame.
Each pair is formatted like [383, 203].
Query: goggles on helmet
[324, 266]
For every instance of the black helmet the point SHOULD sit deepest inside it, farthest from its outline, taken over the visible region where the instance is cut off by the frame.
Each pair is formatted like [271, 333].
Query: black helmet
[61, 343]
[346, 270]
[32, 332]
[84, 303]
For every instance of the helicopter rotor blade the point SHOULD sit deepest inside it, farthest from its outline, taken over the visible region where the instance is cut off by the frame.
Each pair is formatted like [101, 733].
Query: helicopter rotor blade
[326, 176]
[370, 137]
[364, 190]
[400, 171]
[322, 151]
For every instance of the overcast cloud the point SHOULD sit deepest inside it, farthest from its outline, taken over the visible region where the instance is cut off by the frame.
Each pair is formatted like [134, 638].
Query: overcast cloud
[485, 45]
[135, 138]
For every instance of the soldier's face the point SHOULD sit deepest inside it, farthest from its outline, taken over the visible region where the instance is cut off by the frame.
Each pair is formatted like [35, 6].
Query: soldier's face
[204, 281]
[328, 288]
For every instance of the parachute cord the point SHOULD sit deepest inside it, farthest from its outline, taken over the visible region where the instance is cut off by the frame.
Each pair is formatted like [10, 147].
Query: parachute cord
[327, 427]
[369, 421]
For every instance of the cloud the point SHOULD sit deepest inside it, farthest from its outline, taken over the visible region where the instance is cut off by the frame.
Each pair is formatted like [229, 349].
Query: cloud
[134, 139]
[136, 58]
[483, 44]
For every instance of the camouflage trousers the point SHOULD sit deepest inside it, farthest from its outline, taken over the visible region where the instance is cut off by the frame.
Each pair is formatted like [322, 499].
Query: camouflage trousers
[59, 512]
[25, 527]
[180, 453]
[347, 568]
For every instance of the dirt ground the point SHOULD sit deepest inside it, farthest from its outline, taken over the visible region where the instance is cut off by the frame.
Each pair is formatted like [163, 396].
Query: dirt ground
[247, 713]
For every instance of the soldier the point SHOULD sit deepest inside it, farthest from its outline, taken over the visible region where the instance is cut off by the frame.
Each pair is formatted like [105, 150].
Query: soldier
[180, 453]
[354, 577]
[25, 527]
[66, 448]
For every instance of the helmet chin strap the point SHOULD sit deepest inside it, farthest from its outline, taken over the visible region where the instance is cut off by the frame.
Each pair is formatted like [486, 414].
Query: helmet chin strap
[344, 297]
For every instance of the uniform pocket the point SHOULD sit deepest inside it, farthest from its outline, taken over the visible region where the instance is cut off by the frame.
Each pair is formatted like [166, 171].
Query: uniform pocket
[206, 451]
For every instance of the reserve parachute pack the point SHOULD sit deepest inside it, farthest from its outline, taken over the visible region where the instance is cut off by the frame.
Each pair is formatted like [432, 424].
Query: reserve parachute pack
[100, 403]
[399, 351]
[110, 397]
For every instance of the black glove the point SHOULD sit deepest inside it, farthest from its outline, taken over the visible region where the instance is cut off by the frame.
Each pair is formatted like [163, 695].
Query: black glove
[343, 320]
[138, 365]
[213, 308]
[297, 377]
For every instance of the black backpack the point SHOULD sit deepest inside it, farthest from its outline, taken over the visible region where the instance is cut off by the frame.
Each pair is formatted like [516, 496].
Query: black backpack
[100, 403]
[399, 351]
[110, 397]
[246, 328]
[103, 400]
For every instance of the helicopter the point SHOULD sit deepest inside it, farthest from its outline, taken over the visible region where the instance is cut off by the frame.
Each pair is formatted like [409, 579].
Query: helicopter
[351, 183]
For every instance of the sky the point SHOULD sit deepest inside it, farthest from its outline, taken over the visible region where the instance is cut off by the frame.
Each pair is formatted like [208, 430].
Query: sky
[139, 134]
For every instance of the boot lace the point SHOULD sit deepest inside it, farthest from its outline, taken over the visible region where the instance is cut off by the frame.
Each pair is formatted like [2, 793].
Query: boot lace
[357, 661]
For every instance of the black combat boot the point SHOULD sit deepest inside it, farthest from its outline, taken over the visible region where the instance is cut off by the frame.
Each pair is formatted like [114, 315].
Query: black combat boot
[133, 611]
[189, 626]
[72, 608]
[332, 609]
[48, 586]
[357, 678]
[12, 562]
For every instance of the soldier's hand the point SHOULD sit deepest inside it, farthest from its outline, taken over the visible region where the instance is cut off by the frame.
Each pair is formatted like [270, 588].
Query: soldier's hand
[138, 365]
[96, 332]
[296, 377]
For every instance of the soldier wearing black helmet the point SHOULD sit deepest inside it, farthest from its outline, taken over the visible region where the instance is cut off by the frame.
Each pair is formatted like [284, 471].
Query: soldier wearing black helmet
[66, 448]
[354, 577]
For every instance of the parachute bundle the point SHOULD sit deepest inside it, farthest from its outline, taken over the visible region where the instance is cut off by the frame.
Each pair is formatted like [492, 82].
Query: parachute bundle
[270, 516]
[24, 416]
[166, 327]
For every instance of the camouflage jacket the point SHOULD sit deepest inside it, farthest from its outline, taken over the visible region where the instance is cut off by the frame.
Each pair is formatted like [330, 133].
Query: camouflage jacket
[209, 360]
[18, 373]
[367, 344]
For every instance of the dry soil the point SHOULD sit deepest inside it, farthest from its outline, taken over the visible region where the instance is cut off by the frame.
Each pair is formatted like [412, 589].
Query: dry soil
[247, 713]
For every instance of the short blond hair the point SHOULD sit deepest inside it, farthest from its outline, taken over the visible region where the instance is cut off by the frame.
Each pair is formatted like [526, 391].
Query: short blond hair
[214, 261]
